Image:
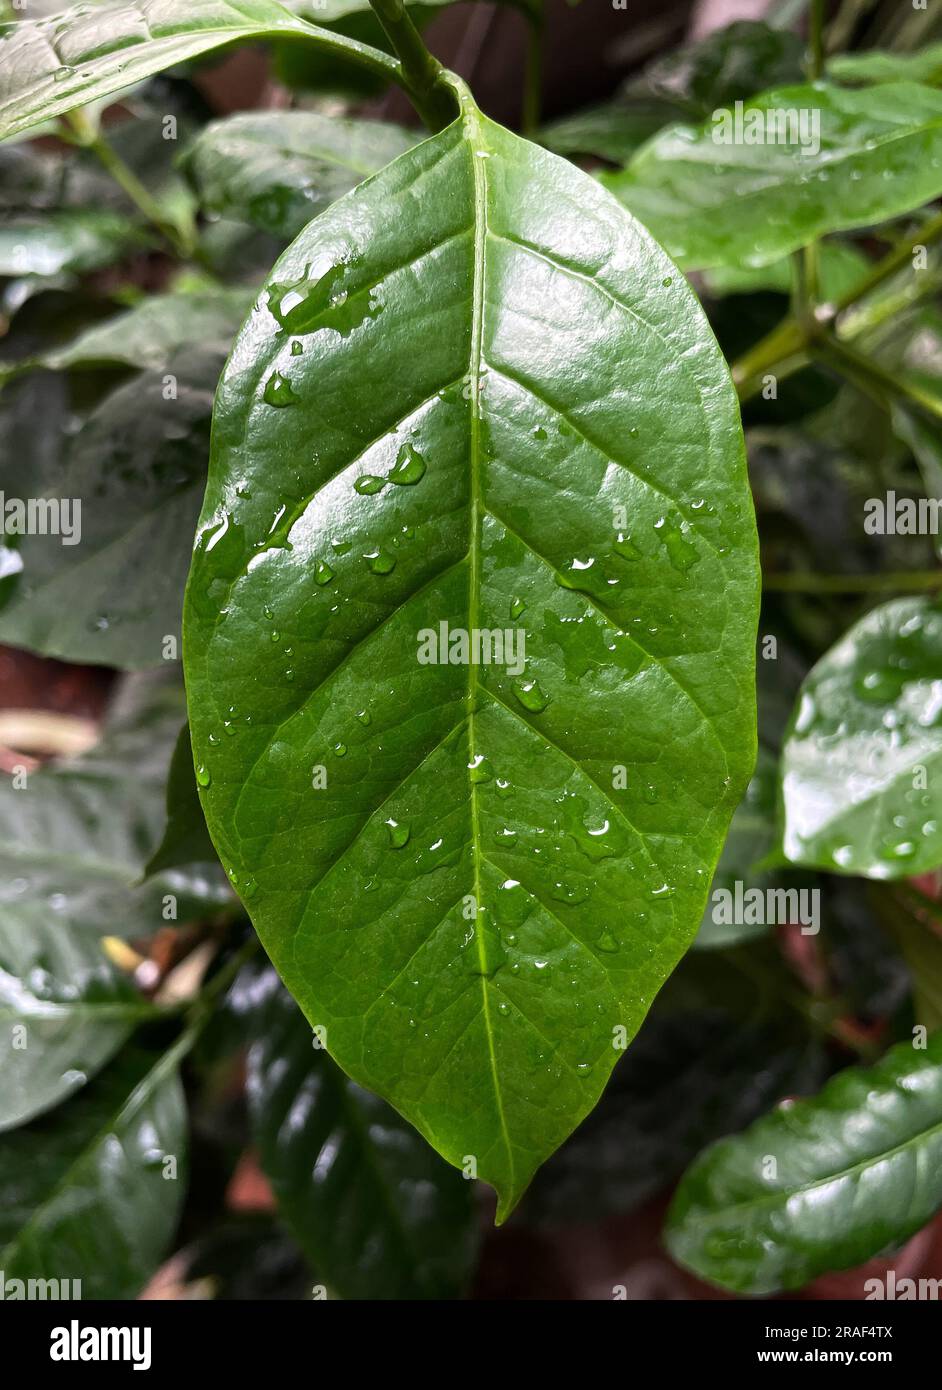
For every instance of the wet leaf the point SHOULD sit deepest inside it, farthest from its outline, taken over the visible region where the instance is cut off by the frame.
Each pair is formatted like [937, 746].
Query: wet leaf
[457, 377]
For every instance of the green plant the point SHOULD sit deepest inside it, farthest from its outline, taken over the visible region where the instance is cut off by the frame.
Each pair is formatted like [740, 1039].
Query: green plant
[469, 642]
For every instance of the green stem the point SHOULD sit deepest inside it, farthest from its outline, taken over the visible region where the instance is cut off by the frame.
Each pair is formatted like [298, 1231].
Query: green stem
[422, 74]
[533, 80]
[873, 377]
[904, 581]
[794, 336]
[85, 135]
[203, 1004]
[816, 41]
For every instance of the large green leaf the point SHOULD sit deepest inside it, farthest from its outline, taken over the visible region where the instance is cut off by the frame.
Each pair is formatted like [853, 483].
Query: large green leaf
[818, 1184]
[278, 169]
[89, 1195]
[51, 65]
[861, 761]
[377, 1212]
[712, 203]
[73, 841]
[137, 466]
[456, 377]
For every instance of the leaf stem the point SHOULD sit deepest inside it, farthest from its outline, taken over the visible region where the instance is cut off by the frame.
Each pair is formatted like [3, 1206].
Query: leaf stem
[794, 335]
[903, 581]
[816, 41]
[533, 79]
[875, 378]
[422, 74]
[83, 133]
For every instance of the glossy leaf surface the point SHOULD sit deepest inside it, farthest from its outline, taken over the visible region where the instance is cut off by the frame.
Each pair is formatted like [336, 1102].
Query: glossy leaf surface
[471, 874]
[876, 154]
[379, 1214]
[861, 761]
[51, 65]
[857, 1170]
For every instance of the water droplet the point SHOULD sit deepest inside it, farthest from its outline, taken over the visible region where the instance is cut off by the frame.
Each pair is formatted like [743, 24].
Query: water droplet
[398, 834]
[681, 553]
[203, 775]
[364, 716]
[369, 484]
[323, 573]
[340, 749]
[530, 695]
[380, 561]
[479, 769]
[278, 391]
[503, 1008]
[410, 467]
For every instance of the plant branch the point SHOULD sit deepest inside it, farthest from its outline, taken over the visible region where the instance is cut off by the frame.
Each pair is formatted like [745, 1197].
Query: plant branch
[871, 376]
[794, 335]
[422, 74]
[904, 581]
[816, 41]
[533, 80]
[83, 133]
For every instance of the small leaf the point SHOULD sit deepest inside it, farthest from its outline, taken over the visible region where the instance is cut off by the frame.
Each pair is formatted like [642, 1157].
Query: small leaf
[377, 1212]
[862, 758]
[108, 586]
[458, 378]
[186, 839]
[86, 1196]
[850, 159]
[278, 169]
[818, 1184]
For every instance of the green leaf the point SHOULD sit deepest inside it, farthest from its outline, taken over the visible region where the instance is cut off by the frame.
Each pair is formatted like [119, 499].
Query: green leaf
[148, 334]
[689, 82]
[456, 377]
[925, 65]
[85, 1196]
[64, 1012]
[137, 467]
[73, 839]
[857, 1170]
[54, 64]
[924, 437]
[712, 203]
[751, 837]
[185, 839]
[278, 169]
[693, 1074]
[840, 267]
[69, 239]
[612, 130]
[862, 756]
[378, 1214]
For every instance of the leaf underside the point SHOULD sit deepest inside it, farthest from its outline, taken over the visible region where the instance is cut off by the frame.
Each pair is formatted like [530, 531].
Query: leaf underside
[477, 901]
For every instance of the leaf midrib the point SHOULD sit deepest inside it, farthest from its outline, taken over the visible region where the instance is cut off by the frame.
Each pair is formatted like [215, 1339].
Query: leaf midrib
[476, 147]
